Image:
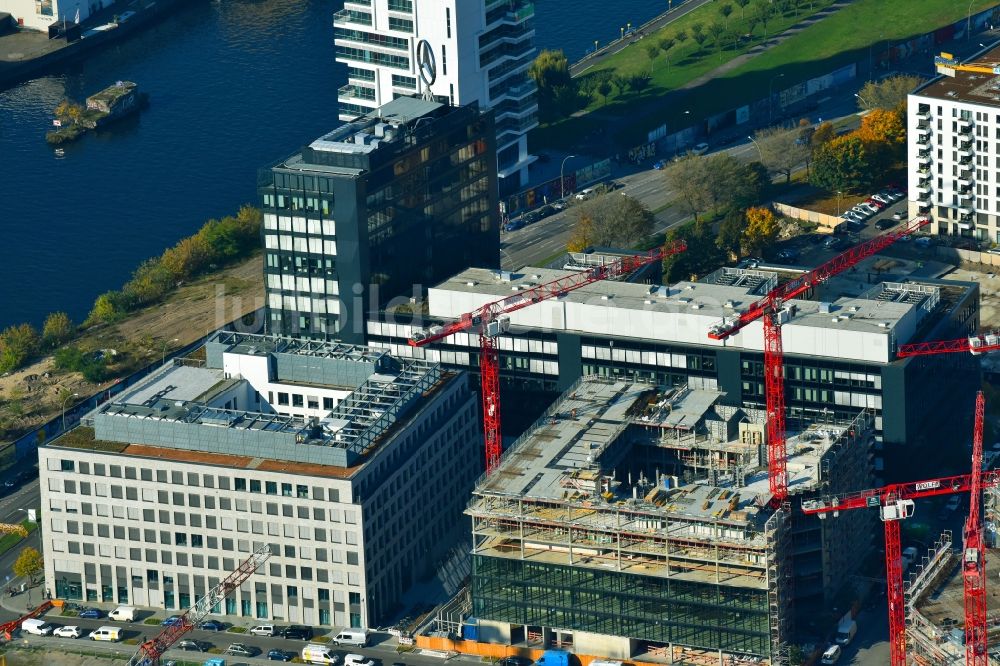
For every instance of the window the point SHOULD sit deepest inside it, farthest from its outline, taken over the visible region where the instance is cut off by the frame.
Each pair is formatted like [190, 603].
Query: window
[447, 21]
[282, 398]
[444, 61]
[297, 400]
[66, 466]
[328, 402]
[180, 539]
[286, 489]
[302, 492]
[240, 484]
[271, 487]
[254, 486]
[401, 24]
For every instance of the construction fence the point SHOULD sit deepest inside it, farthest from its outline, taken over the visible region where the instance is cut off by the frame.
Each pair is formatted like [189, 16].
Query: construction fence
[827, 223]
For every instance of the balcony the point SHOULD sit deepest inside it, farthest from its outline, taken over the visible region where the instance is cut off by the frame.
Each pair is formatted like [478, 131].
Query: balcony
[519, 91]
[924, 196]
[965, 165]
[503, 51]
[964, 125]
[924, 115]
[352, 17]
[923, 159]
[924, 174]
[964, 182]
[351, 91]
[964, 151]
[964, 210]
[922, 189]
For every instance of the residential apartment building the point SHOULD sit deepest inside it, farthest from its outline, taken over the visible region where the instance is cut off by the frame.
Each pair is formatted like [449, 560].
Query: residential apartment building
[839, 344]
[953, 153]
[458, 52]
[632, 522]
[398, 199]
[353, 465]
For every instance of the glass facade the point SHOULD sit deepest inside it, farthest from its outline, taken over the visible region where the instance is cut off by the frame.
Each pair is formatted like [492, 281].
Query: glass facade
[646, 608]
[346, 231]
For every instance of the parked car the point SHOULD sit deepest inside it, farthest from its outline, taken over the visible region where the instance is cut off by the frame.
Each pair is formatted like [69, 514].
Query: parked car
[831, 656]
[584, 194]
[882, 198]
[545, 211]
[788, 254]
[700, 149]
[865, 213]
[358, 660]
[514, 225]
[298, 632]
[884, 224]
[90, 614]
[853, 226]
[531, 217]
[192, 646]
[171, 621]
[71, 631]
[900, 215]
[923, 241]
[241, 650]
[281, 655]
[834, 243]
[659, 165]
[264, 630]
[212, 625]
[876, 206]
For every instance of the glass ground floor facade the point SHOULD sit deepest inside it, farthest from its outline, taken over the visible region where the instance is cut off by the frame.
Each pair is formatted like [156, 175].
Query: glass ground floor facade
[646, 608]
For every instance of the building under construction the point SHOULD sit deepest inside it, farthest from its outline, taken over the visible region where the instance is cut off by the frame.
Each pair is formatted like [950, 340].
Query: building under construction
[635, 523]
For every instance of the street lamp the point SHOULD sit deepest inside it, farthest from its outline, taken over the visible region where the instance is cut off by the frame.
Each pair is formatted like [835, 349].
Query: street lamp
[64, 401]
[770, 105]
[968, 22]
[623, 33]
[863, 100]
[562, 180]
[838, 203]
[163, 350]
[759, 151]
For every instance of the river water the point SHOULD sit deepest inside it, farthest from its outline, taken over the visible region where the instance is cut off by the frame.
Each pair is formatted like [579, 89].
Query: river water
[233, 86]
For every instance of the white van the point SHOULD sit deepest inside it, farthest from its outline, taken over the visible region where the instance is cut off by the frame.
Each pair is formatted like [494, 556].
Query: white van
[122, 614]
[356, 637]
[36, 627]
[112, 634]
[831, 656]
[264, 630]
[319, 654]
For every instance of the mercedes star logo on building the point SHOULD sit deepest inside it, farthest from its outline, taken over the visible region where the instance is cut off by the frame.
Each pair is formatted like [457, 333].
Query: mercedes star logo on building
[425, 63]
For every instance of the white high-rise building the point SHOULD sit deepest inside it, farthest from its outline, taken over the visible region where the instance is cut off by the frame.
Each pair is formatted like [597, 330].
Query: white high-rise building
[465, 52]
[953, 152]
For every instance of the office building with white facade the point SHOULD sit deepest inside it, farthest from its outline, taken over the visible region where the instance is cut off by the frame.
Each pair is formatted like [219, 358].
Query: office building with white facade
[839, 343]
[458, 52]
[352, 464]
[953, 153]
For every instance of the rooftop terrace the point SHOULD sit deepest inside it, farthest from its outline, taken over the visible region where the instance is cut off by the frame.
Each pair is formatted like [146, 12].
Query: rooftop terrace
[193, 407]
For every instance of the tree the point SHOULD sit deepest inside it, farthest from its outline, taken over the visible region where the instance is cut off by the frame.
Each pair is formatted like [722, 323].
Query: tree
[619, 82]
[743, 8]
[701, 257]
[726, 11]
[109, 307]
[28, 564]
[764, 12]
[823, 134]
[58, 329]
[889, 93]
[730, 235]
[639, 82]
[604, 89]
[761, 230]
[782, 150]
[716, 30]
[884, 126]
[698, 34]
[682, 36]
[666, 44]
[611, 219]
[714, 183]
[17, 345]
[550, 72]
[189, 257]
[843, 163]
[652, 50]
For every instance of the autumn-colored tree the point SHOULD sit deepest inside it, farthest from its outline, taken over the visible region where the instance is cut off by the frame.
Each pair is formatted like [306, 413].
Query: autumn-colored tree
[28, 564]
[824, 133]
[610, 219]
[883, 126]
[17, 344]
[761, 230]
[582, 235]
[57, 330]
[889, 93]
[189, 257]
[782, 150]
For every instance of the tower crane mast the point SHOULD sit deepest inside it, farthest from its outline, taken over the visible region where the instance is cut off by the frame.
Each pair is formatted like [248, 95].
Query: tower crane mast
[974, 555]
[769, 308]
[490, 321]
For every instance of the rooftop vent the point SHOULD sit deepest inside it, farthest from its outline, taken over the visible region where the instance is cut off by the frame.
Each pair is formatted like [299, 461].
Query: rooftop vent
[696, 306]
[883, 324]
[648, 301]
[471, 283]
[730, 304]
[824, 308]
[607, 297]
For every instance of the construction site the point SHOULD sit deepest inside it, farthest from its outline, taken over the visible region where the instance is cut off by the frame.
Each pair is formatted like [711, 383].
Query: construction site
[634, 523]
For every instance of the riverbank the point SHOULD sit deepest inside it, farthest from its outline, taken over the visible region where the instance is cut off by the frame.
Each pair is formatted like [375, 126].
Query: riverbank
[142, 337]
[26, 54]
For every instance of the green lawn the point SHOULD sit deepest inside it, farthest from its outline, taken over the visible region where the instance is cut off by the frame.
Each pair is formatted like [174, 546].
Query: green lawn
[837, 40]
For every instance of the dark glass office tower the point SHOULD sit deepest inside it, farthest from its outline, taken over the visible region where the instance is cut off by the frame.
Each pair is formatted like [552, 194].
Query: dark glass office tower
[380, 208]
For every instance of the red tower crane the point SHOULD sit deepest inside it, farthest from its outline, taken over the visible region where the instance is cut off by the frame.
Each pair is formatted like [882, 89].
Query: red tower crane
[149, 653]
[895, 503]
[490, 321]
[768, 309]
[976, 344]
[974, 555]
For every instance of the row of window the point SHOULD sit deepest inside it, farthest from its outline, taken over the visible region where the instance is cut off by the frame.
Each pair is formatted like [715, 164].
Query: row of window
[300, 225]
[286, 262]
[178, 478]
[286, 202]
[313, 285]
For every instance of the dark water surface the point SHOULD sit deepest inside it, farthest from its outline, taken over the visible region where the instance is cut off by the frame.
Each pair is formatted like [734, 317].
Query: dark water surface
[233, 86]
